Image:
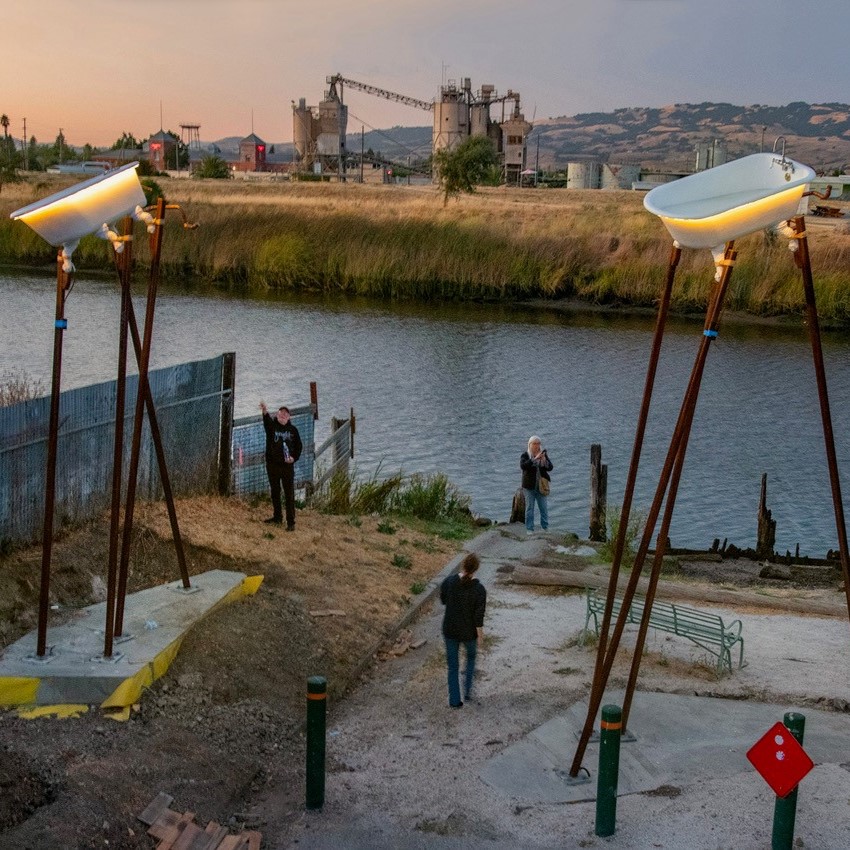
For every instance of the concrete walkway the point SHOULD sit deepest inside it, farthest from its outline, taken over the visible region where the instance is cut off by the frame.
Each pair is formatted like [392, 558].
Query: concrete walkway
[408, 773]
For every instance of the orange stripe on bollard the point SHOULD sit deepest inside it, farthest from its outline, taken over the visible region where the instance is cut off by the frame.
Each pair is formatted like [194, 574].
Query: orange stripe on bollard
[316, 696]
[606, 725]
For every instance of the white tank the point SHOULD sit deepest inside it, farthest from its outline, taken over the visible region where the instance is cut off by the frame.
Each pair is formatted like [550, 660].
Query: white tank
[619, 176]
[583, 175]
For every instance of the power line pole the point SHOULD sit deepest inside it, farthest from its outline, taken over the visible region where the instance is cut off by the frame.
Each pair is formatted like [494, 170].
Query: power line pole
[26, 148]
[362, 133]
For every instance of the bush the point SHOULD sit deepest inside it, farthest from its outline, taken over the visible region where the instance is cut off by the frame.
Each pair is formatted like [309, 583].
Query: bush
[16, 387]
[635, 527]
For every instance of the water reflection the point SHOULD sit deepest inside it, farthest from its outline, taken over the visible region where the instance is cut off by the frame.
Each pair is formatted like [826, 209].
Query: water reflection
[459, 388]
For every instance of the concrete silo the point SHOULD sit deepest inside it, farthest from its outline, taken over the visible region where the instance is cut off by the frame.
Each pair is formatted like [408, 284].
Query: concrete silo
[583, 175]
[451, 117]
[302, 132]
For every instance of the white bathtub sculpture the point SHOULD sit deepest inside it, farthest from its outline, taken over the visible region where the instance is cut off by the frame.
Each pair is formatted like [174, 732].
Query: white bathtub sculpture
[88, 207]
[708, 209]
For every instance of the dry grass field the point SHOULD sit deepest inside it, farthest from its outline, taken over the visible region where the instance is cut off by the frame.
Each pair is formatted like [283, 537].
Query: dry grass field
[403, 242]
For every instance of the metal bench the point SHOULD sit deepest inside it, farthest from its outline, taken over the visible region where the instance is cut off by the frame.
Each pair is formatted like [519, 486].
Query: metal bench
[705, 630]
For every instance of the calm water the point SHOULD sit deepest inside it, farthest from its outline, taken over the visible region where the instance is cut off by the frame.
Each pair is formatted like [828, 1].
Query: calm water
[460, 388]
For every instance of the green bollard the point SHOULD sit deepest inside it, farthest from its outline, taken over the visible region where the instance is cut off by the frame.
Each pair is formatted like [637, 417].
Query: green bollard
[317, 688]
[785, 809]
[609, 768]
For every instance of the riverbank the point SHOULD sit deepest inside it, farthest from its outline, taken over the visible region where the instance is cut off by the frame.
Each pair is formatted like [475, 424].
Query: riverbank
[599, 248]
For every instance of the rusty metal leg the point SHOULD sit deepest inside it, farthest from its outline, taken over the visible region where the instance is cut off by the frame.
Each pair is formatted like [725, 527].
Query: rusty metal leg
[628, 494]
[679, 437]
[63, 282]
[803, 260]
[165, 478]
[135, 449]
[124, 262]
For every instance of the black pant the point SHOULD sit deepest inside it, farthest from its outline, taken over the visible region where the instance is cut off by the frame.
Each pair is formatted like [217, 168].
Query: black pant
[283, 475]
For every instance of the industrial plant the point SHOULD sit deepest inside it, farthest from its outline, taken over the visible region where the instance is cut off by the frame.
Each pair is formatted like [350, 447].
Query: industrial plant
[319, 132]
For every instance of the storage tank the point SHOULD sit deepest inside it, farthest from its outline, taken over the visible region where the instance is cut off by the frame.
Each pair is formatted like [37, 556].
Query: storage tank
[302, 122]
[619, 176]
[451, 118]
[479, 119]
[583, 175]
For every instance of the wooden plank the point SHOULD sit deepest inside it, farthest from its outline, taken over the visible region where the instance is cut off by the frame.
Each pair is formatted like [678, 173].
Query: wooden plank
[167, 843]
[213, 835]
[186, 839]
[231, 842]
[254, 839]
[163, 824]
[155, 808]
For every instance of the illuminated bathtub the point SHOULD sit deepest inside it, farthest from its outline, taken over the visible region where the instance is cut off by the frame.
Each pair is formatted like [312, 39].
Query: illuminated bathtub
[708, 209]
[65, 217]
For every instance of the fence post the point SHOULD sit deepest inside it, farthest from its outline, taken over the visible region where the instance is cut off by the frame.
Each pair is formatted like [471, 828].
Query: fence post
[609, 768]
[317, 687]
[598, 494]
[785, 808]
[225, 440]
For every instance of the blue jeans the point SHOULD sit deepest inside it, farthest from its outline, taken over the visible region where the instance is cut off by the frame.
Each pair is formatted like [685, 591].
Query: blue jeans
[453, 664]
[532, 496]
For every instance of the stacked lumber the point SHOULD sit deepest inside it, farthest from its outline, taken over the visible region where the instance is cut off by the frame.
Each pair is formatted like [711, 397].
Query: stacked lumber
[174, 831]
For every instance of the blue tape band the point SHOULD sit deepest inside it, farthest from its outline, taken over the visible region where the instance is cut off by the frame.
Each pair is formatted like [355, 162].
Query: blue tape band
[710, 334]
[61, 323]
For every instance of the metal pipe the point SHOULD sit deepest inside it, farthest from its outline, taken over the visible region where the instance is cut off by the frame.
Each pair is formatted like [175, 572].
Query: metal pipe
[135, 449]
[803, 260]
[598, 689]
[123, 262]
[625, 511]
[63, 283]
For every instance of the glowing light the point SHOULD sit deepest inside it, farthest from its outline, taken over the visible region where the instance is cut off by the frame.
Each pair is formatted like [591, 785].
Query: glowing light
[65, 217]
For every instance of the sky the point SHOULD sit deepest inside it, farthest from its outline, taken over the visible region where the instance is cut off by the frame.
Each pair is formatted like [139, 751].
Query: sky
[97, 68]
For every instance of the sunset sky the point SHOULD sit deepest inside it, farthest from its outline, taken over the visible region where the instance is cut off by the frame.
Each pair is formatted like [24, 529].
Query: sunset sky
[96, 68]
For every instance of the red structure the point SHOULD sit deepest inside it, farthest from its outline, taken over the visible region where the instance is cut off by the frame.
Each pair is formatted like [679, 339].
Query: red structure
[252, 154]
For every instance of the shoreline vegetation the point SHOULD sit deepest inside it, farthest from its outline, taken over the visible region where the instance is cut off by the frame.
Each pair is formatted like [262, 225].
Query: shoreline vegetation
[600, 248]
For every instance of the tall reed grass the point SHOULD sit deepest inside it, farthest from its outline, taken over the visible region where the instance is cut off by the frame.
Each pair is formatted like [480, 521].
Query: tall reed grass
[400, 242]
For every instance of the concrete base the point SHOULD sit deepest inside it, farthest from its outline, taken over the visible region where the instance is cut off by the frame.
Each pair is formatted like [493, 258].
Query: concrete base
[74, 670]
[679, 740]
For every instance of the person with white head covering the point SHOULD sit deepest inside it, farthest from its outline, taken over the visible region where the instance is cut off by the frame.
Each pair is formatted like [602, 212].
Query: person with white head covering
[535, 466]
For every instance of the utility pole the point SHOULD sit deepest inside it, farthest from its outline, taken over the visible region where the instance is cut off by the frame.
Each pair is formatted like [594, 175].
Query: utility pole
[761, 149]
[537, 160]
[61, 144]
[26, 148]
[362, 136]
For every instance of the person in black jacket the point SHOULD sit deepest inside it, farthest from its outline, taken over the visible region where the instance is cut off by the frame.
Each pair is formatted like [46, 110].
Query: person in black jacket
[463, 623]
[535, 464]
[283, 448]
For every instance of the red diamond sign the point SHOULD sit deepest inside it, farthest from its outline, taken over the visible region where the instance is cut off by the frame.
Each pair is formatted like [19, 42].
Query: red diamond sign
[780, 759]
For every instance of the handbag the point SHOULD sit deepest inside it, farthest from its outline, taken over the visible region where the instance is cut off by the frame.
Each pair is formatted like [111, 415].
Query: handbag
[542, 484]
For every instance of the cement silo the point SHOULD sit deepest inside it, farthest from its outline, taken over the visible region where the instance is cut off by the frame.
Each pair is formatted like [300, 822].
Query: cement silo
[302, 131]
[451, 118]
[583, 175]
[619, 176]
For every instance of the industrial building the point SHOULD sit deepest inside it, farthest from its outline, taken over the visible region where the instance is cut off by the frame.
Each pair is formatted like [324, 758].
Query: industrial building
[457, 114]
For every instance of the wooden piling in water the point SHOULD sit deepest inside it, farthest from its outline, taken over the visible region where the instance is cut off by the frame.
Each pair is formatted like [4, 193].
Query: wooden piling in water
[766, 525]
[598, 494]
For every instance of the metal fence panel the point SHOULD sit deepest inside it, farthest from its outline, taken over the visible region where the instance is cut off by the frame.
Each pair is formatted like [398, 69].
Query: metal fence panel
[248, 458]
[188, 403]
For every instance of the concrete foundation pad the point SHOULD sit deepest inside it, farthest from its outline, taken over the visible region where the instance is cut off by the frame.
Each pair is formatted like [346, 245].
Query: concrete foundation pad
[75, 671]
[679, 740]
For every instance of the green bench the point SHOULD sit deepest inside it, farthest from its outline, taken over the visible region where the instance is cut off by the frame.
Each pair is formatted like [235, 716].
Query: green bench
[705, 630]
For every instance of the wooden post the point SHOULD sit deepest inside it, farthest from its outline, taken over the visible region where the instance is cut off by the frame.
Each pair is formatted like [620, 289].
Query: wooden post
[598, 494]
[228, 383]
[766, 527]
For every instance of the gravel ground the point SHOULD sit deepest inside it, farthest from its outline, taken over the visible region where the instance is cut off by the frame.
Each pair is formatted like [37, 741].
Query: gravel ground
[404, 769]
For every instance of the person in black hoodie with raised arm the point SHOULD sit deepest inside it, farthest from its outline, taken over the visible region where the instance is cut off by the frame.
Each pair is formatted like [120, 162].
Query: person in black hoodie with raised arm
[283, 448]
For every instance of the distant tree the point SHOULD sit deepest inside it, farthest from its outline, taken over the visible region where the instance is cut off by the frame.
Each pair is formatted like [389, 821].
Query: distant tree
[465, 166]
[8, 156]
[126, 141]
[88, 152]
[213, 166]
[182, 152]
[271, 149]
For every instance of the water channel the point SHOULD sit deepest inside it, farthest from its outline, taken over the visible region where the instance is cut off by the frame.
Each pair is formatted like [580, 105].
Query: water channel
[459, 389]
